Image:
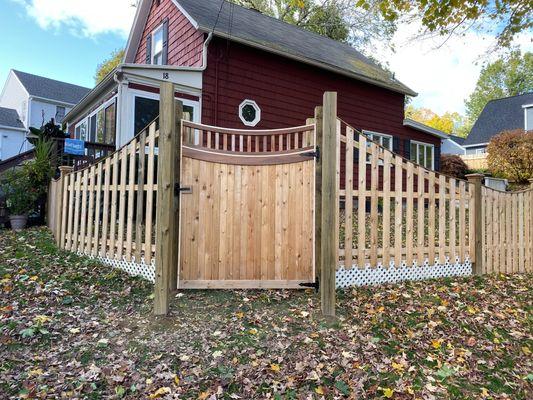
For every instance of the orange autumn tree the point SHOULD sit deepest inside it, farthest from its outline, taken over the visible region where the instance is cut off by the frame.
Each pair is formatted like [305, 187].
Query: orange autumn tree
[510, 155]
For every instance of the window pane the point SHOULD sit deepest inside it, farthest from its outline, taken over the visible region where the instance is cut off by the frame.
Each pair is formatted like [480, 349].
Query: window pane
[386, 142]
[529, 118]
[110, 124]
[429, 157]
[158, 41]
[421, 156]
[92, 129]
[188, 113]
[146, 110]
[414, 150]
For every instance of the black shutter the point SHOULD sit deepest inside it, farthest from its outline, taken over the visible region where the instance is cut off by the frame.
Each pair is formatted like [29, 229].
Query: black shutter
[396, 145]
[165, 42]
[407, 148]
[437, 158]
[149, 49]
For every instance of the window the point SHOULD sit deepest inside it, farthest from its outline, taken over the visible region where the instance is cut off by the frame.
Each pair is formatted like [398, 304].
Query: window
[157, 46]
[423, 154]
[528, 118]
[481, 151]
[60, 114]
[99, 126]
[249, 113]
[146, 110]
[381, 138]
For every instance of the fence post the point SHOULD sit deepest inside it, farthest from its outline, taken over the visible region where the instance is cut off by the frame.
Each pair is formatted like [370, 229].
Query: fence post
[476, 180]
[60, 213]
[329, 220]
[318, 191]
[177, 179]
[166, 239]
[531, 183]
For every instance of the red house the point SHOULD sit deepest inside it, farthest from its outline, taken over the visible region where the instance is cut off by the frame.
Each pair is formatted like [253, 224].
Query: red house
[235, 67]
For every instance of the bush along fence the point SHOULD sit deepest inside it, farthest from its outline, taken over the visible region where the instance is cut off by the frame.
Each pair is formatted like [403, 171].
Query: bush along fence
[187, 205]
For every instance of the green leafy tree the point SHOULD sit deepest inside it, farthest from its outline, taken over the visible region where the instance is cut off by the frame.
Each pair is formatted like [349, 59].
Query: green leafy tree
[108, 65]
[505, 18]
[509, 76]
[342, 20]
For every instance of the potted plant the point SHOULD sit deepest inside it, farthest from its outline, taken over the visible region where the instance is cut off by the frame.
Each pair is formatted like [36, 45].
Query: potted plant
[20, 196]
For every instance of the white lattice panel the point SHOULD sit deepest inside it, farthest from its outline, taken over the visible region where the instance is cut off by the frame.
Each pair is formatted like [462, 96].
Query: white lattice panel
[146, 271]
[374, 276]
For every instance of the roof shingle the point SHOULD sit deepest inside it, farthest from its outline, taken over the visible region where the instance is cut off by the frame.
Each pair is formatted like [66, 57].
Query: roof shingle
[498, 116]
[10, 118]
[255, 28]
[47, 88]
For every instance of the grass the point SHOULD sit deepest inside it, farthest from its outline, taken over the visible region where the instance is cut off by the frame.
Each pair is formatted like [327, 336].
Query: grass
[72, 328]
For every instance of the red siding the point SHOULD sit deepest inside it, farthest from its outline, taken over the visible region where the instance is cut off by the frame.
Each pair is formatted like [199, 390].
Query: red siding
[288, 91]
[185, 43]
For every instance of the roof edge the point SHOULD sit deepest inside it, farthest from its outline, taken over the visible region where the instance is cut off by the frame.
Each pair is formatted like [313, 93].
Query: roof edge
[425, 128]
[408, 91]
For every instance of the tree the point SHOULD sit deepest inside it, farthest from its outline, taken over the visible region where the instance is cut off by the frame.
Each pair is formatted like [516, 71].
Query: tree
[341, 20]
[449, 122]
[510, 155]
[505, 18]
[509, 76]
[108, 65]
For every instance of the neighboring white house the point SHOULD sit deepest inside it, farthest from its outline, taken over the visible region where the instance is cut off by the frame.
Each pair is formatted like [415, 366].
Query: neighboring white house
[35, 100]
[453, 145]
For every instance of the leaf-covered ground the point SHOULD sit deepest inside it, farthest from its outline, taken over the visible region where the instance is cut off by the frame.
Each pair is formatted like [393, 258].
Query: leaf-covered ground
[71, 328]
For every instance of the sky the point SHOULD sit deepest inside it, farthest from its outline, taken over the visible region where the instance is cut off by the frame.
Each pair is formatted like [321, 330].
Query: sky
[66, 39]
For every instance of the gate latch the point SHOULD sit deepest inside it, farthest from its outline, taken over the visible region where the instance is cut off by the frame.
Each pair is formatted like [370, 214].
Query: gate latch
[315, 154]
[315, 285]
[178, 189]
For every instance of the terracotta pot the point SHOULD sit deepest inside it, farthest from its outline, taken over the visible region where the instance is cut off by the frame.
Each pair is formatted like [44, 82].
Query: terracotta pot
[18, 222]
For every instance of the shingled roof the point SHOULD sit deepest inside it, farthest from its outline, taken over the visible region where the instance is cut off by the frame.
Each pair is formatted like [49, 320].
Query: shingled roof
[51, 89]
[498, 116]
[255, 29]
[10, 118]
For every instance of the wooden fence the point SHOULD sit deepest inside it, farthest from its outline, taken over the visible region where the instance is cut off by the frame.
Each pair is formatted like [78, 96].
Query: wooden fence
[108, 209]
[507, 231]
[476, 161]
[396, 212]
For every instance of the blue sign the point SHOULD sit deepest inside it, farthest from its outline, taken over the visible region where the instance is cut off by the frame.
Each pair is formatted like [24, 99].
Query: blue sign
[75, 147]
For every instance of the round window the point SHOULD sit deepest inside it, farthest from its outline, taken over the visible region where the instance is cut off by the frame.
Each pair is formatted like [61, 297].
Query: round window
[249, 113]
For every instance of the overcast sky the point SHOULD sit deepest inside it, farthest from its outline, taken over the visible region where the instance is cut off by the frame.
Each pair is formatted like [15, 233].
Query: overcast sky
[66, 39]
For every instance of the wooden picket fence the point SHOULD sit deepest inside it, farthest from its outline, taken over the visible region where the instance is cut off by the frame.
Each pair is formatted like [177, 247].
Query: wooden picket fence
[107, 210]
[507, 231]
[396, 212]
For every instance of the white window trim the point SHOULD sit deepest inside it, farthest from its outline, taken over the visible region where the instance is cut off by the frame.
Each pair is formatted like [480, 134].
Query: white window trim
[152, 56]
[427, 145]
[252, 103]
[95, 111]
[372, 133]
[526, 107]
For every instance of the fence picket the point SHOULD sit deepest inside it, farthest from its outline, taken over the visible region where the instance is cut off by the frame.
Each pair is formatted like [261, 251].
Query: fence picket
[386, 208]
[348, 200]
[398, 210]
[361, 211]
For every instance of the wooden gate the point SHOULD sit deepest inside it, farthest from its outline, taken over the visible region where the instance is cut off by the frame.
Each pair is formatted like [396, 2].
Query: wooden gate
[247, 207]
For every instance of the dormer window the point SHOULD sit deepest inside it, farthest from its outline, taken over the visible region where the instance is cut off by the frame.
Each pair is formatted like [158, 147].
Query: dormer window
[528, 117]
[157, 46]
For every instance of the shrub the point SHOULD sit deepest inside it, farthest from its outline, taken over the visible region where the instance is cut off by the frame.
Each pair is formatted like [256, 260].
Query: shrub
[510, 155]
[453, 165]
[19, 192]
[40, 170]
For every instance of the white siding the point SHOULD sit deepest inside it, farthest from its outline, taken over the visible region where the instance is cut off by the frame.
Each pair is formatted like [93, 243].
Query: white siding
[451, 147]
[15, 96]
[11, 143]
[39, 108]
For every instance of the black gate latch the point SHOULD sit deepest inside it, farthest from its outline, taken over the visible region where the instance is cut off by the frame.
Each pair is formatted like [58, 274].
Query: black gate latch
[178, 189]
[315, 154]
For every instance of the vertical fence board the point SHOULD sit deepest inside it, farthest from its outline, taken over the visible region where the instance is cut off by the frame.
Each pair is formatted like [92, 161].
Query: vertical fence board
[386, 207]
[398, 210]
[361, 205]
[348, 200]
